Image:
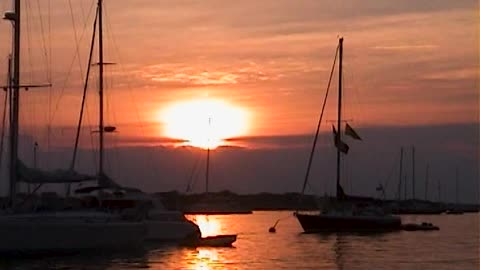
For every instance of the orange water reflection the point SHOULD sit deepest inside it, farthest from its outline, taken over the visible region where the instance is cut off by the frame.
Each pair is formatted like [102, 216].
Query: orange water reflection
[204, 258]
[207, 259]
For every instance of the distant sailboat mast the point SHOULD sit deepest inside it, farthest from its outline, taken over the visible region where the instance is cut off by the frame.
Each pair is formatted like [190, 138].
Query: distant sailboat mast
[339, 126]
[207, 169]
[399, 191]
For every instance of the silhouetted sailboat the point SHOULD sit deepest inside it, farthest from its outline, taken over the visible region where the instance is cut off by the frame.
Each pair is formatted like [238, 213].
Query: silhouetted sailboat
[210, 203]
[28, 231]
[160, 223]
[344, 213]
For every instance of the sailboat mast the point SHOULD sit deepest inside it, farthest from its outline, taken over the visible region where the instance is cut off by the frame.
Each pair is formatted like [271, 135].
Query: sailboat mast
[100, 92]
[400, 175]
[15, 87]
[339, 117]
[207, 169]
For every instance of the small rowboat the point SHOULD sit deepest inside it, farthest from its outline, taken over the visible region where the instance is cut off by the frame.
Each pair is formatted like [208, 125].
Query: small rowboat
[217, 240]
[211, 241]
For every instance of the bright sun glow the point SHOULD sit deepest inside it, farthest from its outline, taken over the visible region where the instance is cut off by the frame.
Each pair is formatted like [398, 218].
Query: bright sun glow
[208, 226]
[204, 123]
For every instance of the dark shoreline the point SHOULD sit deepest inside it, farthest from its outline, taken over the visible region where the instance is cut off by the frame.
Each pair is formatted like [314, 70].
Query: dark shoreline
[293, 201]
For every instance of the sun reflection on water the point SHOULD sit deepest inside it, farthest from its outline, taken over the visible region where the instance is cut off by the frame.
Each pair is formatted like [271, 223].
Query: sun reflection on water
[206, 259]
[209, 226]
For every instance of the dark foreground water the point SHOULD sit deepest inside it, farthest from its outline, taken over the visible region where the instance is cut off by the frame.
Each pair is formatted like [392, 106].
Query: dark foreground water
[455, 246]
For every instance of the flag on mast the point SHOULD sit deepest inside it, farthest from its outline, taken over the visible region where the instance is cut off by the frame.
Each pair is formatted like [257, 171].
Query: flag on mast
[352, 133]
[343, 147]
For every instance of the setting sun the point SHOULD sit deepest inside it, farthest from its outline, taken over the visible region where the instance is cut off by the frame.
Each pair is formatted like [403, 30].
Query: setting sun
[204, 123]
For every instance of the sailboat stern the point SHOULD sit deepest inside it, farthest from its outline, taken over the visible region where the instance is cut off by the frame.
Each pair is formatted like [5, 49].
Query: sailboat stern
[347, 223]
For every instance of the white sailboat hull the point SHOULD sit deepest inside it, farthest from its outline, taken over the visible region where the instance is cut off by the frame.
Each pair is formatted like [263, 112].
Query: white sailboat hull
[169, 226]
[41, 234]
[162, 225]
[170, 230]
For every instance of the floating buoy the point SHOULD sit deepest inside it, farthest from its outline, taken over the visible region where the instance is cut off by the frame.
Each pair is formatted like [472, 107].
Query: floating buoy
[272, 229]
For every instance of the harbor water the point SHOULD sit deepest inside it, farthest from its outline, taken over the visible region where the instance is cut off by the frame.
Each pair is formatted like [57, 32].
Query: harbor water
[454, 246]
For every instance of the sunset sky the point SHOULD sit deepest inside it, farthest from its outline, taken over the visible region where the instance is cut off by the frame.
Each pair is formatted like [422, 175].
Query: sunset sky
[406, 64]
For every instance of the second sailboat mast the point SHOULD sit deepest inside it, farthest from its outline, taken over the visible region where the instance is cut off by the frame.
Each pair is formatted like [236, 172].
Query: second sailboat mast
[100, 91]
[339, 120]
[207, 169]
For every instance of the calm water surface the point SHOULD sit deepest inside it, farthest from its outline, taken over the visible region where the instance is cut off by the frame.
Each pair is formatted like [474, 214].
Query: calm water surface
[455, 246]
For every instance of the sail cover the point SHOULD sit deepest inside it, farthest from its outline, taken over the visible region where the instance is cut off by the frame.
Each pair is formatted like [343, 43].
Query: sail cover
[37, 176]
